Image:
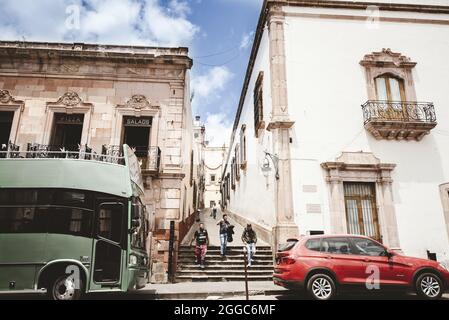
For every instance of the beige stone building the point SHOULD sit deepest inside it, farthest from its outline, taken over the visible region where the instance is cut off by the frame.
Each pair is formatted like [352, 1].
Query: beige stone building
[59, 95]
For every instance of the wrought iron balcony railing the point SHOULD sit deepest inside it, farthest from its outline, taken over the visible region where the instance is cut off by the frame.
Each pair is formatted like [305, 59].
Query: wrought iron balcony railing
[9, 150]
[399, 111]
[399, 120]
[149, 158]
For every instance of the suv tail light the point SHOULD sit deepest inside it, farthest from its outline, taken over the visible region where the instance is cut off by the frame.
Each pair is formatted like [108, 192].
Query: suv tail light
[287, 260]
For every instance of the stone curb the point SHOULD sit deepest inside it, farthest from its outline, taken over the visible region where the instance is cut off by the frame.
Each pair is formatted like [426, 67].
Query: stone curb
[205, 295]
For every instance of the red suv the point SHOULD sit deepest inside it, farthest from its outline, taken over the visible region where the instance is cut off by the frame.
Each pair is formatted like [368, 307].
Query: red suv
[323, 264]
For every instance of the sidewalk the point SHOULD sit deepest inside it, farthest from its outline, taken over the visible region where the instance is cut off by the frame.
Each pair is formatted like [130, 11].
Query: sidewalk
[213, 230]
[211, 290]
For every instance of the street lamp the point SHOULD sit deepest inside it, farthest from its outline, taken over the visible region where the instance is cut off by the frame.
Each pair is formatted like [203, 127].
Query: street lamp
[266, 167]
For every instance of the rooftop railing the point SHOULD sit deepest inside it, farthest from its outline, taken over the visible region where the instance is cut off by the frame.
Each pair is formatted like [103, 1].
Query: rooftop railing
[149, 157]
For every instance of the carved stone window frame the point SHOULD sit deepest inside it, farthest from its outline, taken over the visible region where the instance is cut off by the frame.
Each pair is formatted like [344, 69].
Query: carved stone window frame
[388, 62]
[137, 106]
[68, 103]
[362, 167]
[9, 104]
[444, 193]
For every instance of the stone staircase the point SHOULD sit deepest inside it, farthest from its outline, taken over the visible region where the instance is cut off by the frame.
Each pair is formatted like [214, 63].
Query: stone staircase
[217, 269]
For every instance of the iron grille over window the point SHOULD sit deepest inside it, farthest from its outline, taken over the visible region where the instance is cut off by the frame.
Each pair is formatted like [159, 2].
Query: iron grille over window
[361, 210]
[258, 104]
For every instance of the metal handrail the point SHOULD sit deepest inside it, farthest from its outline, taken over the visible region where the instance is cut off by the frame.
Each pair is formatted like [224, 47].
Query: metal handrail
[403, 111]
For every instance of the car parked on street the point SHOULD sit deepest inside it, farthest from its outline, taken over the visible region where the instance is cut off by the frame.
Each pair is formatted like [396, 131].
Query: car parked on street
[322, 265]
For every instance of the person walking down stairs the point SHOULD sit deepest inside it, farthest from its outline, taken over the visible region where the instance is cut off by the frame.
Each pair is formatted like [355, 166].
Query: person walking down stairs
[202, 242]
[224, 231]
[249, 238]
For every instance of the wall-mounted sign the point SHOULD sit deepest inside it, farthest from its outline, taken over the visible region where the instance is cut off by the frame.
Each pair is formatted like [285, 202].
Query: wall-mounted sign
[137, 122]
[62, 118]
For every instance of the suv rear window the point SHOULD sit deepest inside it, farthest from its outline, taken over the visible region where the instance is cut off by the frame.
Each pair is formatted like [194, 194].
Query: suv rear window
[314, 244]
[288, 245]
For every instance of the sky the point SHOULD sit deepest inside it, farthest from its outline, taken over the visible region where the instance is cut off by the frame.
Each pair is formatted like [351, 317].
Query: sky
[218, 33]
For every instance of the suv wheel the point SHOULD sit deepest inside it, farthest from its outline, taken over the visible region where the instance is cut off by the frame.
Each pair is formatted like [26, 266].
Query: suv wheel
[64, 288]
[321, 287]
[429, 286]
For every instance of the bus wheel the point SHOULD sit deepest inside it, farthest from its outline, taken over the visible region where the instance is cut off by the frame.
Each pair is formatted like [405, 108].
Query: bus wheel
[64, 288]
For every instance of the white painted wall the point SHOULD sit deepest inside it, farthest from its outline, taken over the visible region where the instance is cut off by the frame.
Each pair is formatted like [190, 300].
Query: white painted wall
[254, 194]
[326, 87]
[213, 165]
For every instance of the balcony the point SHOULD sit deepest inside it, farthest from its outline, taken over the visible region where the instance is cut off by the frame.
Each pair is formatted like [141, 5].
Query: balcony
[399, 120]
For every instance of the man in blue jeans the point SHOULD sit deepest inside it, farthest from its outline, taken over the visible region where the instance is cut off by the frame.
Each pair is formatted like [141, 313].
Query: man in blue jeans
[249, 238]
[224, 225]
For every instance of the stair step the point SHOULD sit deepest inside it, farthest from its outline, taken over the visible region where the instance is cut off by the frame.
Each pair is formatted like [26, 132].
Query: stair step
[229, 248]
[226, 267]
[196, 273]
[228, 257]
[221, 278]
[225, 263]
[229, 253]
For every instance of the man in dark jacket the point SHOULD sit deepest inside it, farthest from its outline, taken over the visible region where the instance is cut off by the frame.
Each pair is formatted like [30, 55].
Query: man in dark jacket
[249, 238]
[202, 241]
[224, 229]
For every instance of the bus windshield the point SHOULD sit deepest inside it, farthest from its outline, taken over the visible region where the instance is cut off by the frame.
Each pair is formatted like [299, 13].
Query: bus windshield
[139, 225]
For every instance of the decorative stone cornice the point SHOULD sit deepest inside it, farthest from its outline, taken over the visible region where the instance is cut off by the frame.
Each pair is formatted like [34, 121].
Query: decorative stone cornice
[280, 125]
[70, 101]
[7, 98]
[387, 59]
[361, 164]
[362, 5]
[160, 55]
[138, 102]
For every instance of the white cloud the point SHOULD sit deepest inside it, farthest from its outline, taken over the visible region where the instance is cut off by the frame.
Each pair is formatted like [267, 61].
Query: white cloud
[134, 22]
[208, 87]
[212, 82]
[218, 130]
[246, 40]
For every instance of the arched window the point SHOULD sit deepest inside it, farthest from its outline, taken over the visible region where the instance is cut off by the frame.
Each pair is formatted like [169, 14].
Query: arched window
[390, 88]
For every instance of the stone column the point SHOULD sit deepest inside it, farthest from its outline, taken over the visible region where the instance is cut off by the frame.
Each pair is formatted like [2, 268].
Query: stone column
[391, 238]
[280, 125]
[337, 211]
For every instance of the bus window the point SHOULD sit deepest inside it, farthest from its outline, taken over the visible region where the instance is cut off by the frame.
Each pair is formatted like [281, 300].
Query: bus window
[70, 221]
[110, 221]
[74, 198]
[18, 197]
[21, 220]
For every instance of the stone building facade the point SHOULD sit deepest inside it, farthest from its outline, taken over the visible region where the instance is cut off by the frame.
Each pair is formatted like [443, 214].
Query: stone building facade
[67, 96]
[342, 125]
[214, 158]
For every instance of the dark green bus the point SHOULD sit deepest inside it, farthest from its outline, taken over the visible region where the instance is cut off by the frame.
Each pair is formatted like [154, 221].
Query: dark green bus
[72, 225]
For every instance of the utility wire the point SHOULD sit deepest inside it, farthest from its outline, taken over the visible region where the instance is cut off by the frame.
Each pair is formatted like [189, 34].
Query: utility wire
[217, 53]
[221, 64]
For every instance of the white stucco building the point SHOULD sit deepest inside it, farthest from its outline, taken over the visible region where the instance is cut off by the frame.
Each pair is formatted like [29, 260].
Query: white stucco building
[381, 169]
[213, 166]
